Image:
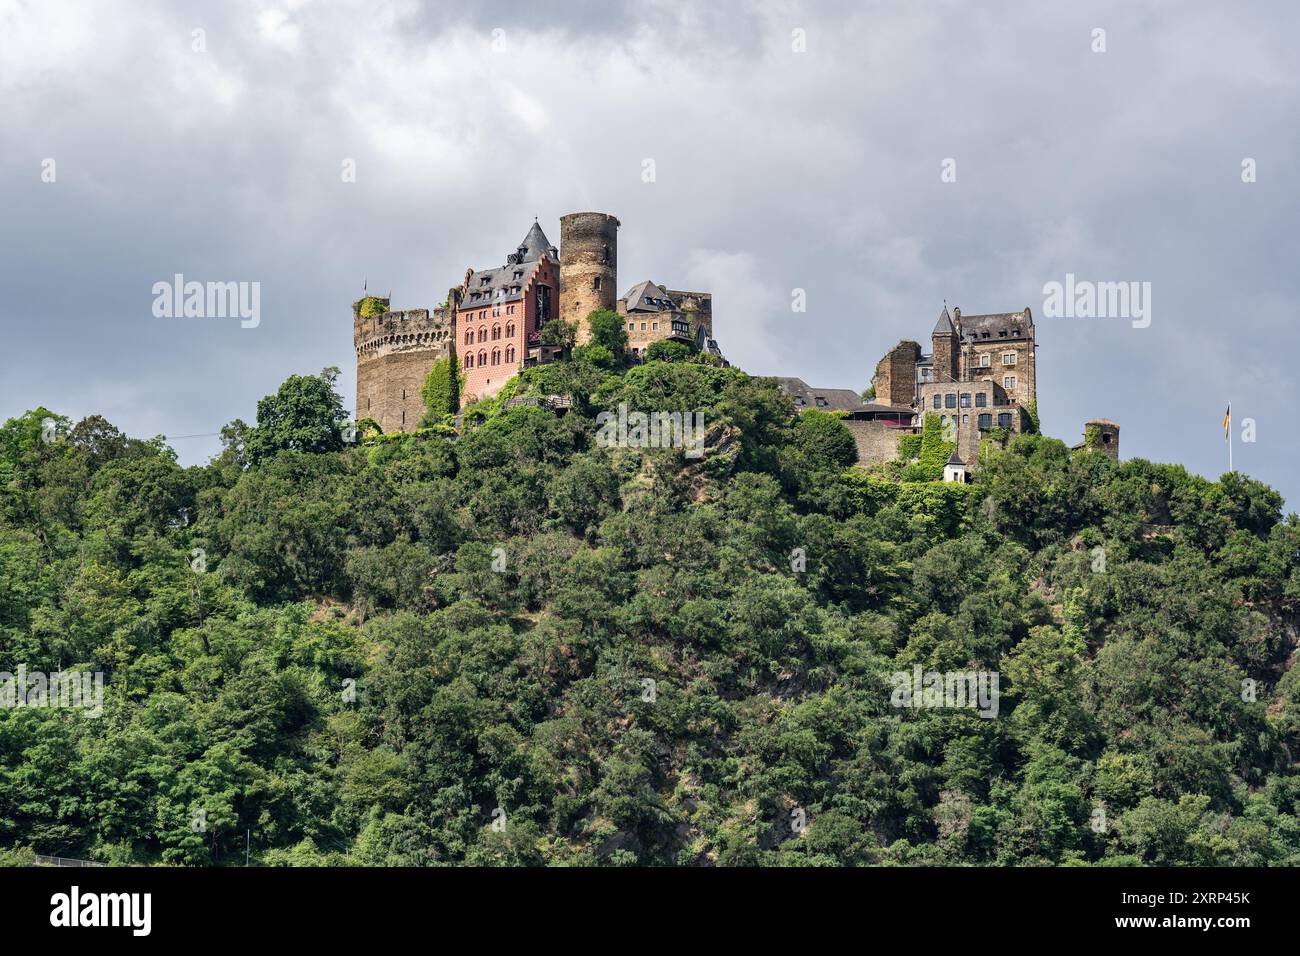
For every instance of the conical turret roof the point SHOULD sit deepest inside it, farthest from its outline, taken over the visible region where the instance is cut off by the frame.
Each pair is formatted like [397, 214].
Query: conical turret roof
[944, 326]
[535, 244]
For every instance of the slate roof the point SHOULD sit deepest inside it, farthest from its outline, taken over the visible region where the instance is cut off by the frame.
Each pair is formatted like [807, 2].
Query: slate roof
[992, 326]
[534, 245]
[832, 399]
[955, 459]
[944, 325]
[506, 283]
[647, 296]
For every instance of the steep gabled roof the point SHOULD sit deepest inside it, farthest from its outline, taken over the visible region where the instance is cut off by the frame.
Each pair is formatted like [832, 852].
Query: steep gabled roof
[648, 297]
[944, 326]
[955, 459]
[535, 245]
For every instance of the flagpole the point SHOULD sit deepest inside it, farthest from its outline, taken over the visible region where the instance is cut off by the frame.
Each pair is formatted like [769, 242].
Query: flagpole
[1230, 438]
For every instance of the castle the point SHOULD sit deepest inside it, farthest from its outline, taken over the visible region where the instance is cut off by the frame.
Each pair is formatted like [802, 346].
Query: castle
[979, 378]
[490, 324]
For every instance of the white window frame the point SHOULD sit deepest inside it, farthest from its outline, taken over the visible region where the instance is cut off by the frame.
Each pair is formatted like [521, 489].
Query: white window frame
[1008, 358]
[985, 360]
[1008, 382]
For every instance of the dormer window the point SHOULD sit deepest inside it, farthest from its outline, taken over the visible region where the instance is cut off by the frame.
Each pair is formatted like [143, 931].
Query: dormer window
[486, 280]
[821, 402]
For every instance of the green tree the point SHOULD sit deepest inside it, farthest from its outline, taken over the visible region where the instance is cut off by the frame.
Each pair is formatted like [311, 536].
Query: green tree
[305, 414]
[608, 329]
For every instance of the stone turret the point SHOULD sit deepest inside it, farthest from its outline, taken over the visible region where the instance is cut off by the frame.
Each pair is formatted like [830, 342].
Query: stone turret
[588, 267]
[946, 350]
[395, 351]
[1101, 434]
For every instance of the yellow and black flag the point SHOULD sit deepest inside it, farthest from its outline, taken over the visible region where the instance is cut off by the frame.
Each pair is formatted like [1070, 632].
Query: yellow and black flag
[1227, 421]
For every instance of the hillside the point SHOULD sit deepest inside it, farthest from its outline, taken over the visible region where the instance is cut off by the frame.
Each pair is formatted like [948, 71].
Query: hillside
[516, 647]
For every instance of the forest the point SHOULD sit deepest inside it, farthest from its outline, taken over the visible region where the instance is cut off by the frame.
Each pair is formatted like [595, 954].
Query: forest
[496, 643]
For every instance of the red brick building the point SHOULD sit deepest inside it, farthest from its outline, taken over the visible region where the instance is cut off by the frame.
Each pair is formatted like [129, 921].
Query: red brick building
[499, 310]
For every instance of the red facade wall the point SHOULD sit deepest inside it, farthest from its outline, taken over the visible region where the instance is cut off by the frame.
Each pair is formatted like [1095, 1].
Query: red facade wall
[485, 377]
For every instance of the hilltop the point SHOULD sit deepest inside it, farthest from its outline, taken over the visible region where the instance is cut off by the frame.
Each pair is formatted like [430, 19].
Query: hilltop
[501, 643]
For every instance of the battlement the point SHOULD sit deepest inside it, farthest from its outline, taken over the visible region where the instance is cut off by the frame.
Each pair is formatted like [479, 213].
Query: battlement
[399, 330]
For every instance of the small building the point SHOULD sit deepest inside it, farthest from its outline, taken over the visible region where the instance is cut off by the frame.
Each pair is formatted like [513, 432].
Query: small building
[876, 427]
[654, 313]
[1100, 434]
[956, 469]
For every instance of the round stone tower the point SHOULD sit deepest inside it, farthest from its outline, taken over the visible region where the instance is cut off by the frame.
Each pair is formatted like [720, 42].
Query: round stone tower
[1106, 435]
[588, 267]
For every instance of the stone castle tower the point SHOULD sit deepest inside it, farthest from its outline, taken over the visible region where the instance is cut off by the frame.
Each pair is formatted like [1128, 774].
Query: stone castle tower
[588, 267]
[395, 351]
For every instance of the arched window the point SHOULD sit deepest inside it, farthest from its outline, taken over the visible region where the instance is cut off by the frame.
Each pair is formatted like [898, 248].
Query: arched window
[510, 330]
[510, 354]
[496, 332]
[482, 358]
[482, 334]
[469, 361]
[469, 336]
[496, 356]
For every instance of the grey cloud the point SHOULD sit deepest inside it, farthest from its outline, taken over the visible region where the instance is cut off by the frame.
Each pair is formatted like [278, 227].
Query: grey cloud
[775, 170]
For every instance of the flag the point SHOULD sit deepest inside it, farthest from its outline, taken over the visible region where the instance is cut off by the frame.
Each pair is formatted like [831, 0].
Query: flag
[1227, 421]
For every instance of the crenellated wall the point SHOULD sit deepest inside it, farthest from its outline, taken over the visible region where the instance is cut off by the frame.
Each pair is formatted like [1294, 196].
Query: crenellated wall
[395, 351]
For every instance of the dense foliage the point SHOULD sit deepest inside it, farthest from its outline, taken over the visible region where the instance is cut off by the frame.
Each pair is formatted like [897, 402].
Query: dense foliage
[441, 392]
[515, 647]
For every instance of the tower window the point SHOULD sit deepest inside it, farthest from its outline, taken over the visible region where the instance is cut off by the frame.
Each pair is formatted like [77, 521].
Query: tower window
[1009, 382]
[937, 400]
[604, 256]
[595, 283]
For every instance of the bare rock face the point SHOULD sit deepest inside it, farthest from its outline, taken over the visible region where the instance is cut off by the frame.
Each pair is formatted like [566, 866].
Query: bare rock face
[722, 444]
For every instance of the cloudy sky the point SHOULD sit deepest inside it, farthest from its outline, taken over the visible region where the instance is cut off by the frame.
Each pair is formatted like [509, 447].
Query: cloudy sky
[794, 146]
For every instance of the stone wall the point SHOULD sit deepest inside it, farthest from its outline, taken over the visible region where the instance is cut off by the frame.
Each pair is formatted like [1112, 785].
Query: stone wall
[946, 366]
[1025, 390]
[895, 378]
[588, 267]
[876, 442]
[395, 351]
